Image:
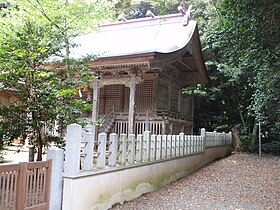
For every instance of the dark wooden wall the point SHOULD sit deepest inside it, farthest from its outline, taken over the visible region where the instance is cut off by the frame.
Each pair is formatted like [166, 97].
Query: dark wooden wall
[167, 95]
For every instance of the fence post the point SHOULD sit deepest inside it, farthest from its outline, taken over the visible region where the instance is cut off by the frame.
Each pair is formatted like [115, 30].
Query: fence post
[200, 144]
[88, 164]
[21, 187]
[169, 146]
[164, 146]
[187, 139]
[230, 138]
[177, 148]
[182, 144]
[173, 145]
[159, 147]
[192, 143]
[195, 143]
[147, 145]
[123, 140]
[215, 138]
[177, 145]
[203, 134]
[101, 149]
[131, 148]
[153, 147]
[72, 150]
[57, 157]
[224, 138]
[139, 148]
[112, 160]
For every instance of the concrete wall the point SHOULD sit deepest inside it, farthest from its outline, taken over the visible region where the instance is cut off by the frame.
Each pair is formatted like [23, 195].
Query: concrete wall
[101, 190]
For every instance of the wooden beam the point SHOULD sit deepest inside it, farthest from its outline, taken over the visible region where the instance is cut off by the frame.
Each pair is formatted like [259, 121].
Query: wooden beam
[95, 106]
[135, 59]
[186, 66]
[192, 111]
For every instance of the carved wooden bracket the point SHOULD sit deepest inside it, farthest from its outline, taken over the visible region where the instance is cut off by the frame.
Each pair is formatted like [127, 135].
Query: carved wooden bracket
[119, 81]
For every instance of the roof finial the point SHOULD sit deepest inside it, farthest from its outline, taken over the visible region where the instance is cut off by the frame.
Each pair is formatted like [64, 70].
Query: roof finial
[149, 13]
[122, 18]
[186, 13]
[182, 7]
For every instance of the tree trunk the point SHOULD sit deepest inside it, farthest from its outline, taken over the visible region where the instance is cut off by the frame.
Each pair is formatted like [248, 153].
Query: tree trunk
[239, 108]
[31, 154]
[39, 146]
[236, 140]
[254, 135]
[39, 150]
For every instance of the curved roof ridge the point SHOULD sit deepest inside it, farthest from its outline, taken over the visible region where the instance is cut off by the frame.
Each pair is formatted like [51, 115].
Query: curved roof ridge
[141, 20]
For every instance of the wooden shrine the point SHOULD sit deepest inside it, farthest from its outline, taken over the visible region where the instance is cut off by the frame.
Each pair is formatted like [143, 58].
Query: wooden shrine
[142, 66]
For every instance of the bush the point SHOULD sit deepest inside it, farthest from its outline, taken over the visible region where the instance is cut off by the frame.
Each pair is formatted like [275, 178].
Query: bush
[272, 148]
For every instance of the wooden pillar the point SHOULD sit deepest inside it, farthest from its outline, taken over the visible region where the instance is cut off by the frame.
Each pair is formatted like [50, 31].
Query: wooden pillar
[180, 101]
[95, 106]
[131, 119]
[192, 111]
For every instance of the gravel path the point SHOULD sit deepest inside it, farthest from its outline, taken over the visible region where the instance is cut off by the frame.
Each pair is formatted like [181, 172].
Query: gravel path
[238, 182]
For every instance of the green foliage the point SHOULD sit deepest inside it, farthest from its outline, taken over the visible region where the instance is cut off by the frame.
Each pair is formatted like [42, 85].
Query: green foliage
[240, 41]
[198, 90]
[243, 38]
[132, 9]
[33, 32]
[272, 148]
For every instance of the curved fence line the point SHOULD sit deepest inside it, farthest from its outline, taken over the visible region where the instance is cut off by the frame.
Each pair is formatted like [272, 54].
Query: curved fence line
[83, 153]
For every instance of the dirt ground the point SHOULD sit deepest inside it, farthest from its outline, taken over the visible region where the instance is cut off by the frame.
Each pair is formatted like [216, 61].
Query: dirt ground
[16, 154]
[238, 182]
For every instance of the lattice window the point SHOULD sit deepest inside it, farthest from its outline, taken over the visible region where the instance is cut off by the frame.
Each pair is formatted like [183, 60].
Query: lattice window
[144, 96]
[109, 98]
[126, 99]
[102, 101]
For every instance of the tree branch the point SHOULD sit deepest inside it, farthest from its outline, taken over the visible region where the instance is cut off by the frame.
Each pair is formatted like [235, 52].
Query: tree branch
[44, 13]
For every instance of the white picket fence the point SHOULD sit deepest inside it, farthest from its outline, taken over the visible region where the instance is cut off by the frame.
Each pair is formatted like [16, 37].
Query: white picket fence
[83, 154]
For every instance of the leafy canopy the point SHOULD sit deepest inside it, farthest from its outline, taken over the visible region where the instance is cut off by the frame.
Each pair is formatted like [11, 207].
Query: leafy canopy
[42, 92]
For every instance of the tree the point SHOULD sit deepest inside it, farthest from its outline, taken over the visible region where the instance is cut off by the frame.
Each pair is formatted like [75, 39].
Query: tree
[243, 37]
[138, 9]
[33, 32]
[240, 42]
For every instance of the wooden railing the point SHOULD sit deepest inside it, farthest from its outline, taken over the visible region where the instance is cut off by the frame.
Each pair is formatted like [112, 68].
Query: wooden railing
[157, 113]
[152, 121]
[156, 127]
[106, 121]
[25, 186]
